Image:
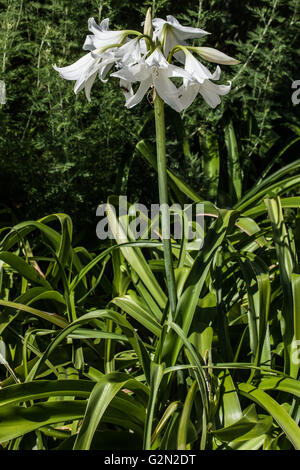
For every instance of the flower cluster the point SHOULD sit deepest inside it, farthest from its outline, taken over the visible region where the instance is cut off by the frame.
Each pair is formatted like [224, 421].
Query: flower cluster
[146, 58]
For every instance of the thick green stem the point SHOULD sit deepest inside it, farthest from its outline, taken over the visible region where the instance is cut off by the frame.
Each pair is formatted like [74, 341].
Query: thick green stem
[163, 198]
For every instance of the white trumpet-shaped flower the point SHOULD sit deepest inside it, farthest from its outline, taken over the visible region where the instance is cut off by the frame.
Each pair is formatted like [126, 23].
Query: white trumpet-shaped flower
[154, 71]
[102, 35]
[144, 60]
[102, 57]
[200, 82]
[172, 34]
[86, 69]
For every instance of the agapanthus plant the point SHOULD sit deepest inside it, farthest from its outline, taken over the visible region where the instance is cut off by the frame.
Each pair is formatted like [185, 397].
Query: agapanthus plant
[146, 58]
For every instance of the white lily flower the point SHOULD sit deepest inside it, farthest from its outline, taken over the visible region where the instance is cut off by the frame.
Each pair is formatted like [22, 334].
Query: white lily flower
[200, 83]
[102, 35]
[98, 61]
[129, 56]
[172, 33]
[102, 57]
[85, 70]
[154, 71]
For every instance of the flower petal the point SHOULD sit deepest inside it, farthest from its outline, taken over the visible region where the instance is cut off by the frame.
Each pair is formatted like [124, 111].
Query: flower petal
[167, 90]
[88, 85]
[104, 25]
[174, 34]
[188, 94]
[158, 23]
[217, 74]
[127, 89]
[102, 35]
[185, 32]
[106, 66]
[135, 73]
[157, 59]
[74, 71]
[212, 92]
[196, 69]
[95, 28]
[171, 41]
[88, 43]
[174, 71]
[130, 53]
[139, 95]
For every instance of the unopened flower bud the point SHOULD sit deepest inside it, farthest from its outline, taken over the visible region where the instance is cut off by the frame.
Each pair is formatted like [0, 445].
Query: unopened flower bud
[148, 30]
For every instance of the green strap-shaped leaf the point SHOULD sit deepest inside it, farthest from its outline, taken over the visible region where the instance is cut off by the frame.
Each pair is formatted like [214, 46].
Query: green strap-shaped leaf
[133, 309]
[130, 332]
[185, 417]
[295, 358]
[156, 375]
[7, 315]
[209, 146]
[172, 408]
[188, 301]
[103, 393]
[231, 408]
[136, 258]
[247, 427]
[23, 268]
[18, 420]
[65, 248]
[284, 421]
[283, 384]
[287, 264]
[44, 389]
[272, 182]
[51, 317]
[286, 203]
[233, 163]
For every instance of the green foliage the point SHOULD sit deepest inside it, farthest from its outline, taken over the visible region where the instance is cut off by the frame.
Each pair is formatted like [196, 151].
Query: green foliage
[87, 344]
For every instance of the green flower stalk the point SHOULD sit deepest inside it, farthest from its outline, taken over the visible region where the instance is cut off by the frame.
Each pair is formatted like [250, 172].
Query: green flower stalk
[163, 198]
